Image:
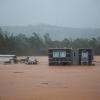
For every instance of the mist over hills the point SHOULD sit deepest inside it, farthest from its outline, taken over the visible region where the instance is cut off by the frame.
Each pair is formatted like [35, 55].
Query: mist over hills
[56, 32]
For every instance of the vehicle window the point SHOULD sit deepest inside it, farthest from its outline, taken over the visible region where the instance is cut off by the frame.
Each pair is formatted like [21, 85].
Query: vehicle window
[55, 54]
[60, 54]
[84, 54]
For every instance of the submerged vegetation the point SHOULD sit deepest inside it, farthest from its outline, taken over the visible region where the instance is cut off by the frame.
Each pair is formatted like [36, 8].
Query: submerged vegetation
[37, 45]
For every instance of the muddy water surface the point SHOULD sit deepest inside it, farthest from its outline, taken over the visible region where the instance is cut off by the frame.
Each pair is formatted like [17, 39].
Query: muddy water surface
[42, 82]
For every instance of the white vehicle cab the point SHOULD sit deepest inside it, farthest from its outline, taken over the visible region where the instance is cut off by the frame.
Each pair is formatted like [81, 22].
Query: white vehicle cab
[8, 59]
[31, 60]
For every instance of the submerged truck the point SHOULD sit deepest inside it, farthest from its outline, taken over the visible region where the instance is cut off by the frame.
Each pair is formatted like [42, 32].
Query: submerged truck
[66, 56]
[58, 56]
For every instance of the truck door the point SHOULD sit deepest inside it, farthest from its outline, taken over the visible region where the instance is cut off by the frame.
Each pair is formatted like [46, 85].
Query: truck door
[75, 57]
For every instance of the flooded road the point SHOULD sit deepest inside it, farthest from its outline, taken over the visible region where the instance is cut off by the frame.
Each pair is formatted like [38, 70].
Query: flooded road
[43, 82]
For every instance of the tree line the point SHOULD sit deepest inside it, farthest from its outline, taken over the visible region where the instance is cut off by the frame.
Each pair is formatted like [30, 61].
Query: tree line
[35, 44]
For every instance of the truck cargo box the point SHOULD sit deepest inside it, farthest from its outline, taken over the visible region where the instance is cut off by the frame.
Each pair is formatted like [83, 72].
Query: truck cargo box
[60, 56]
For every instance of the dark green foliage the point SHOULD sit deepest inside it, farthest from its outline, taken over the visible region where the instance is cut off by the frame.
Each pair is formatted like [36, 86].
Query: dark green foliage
[36, 45]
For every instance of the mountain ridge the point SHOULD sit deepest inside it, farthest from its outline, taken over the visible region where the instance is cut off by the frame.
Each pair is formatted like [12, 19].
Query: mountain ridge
[56, 32]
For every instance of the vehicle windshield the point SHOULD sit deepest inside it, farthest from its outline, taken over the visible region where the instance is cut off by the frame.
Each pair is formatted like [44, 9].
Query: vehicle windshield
[84, 54]
[59, 54]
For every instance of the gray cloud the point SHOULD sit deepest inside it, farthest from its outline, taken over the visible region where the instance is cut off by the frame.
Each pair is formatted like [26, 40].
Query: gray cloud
[69, 13]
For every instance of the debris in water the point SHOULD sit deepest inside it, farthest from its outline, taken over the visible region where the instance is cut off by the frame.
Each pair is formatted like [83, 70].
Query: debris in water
[18, 72]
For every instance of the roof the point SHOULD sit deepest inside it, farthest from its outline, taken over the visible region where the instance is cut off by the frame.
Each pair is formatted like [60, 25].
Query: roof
[7, 55]
[85, 49]
[58, 48]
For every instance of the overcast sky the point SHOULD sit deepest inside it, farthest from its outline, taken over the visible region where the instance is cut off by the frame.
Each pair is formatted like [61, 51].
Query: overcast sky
[68, 13]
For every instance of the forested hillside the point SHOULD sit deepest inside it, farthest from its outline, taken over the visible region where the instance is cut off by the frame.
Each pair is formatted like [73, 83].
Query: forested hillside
[56, 32]
[37, 45]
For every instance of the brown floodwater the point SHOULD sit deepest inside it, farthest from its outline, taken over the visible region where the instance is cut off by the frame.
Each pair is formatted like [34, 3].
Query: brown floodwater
[43, 82]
